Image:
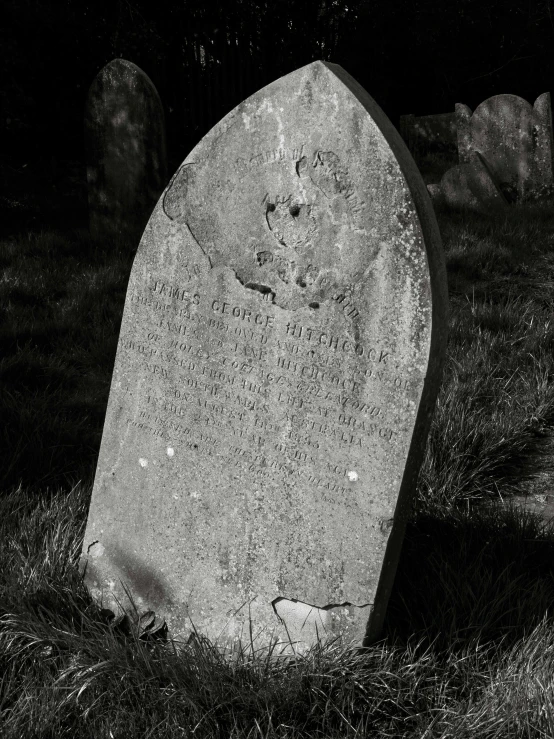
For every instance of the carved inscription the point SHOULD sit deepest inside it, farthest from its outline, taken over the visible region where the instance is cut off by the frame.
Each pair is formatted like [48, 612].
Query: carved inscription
[279, 154]
[278, 361]
[331, 177]
[310, 219]
[237, 363]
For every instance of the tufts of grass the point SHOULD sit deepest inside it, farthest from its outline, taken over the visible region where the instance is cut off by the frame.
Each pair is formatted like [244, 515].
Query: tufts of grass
[477, 634]
[519, 697]
[62, 298]
[490, 431]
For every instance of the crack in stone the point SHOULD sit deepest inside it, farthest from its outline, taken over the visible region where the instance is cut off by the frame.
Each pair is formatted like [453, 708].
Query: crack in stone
[204, 252]
[319, 608]
[176, 193]
[263, 289]
[269, 294]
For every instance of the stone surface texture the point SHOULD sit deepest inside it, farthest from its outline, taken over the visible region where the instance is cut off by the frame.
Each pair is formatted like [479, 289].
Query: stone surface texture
[515, 138]
[125, 149]
[277, 367]
[470, 186]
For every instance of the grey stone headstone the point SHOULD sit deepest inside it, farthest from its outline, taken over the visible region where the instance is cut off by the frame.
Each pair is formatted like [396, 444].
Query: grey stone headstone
[126, 150]
[470, 186]
[515, 139]
[277, 367]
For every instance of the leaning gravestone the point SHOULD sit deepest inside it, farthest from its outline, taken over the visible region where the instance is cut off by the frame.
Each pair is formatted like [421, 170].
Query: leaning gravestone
[126, 152]
[515, 139]
[469, 186]
[278, 362]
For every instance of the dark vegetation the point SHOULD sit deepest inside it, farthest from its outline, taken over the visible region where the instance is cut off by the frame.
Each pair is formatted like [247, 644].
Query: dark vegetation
[205, 56]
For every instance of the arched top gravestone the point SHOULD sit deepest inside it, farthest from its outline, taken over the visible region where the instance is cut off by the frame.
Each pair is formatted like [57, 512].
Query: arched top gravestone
[278, 362]
[125, 149]
[515, 139]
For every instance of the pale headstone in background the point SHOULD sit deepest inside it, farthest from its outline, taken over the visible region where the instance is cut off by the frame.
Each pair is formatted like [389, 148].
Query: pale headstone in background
[470, 186]
[515, 138]
[278, 363]
[125, 150]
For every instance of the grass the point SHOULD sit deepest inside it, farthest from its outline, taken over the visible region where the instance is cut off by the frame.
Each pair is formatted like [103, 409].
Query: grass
[62, 298]
[469, 643]
[496, 404]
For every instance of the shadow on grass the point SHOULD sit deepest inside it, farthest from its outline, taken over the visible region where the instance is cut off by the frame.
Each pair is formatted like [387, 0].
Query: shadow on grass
[486, 574]
[483, 575]
[487, 253]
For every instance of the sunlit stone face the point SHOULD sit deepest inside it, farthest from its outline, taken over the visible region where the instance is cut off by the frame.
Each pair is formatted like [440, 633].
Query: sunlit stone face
[277, 366]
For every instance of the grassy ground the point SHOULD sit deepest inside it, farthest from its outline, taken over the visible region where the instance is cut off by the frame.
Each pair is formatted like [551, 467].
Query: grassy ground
[469, 646]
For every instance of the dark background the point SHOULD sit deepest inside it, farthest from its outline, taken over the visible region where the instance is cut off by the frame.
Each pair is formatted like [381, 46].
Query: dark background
[205, 56]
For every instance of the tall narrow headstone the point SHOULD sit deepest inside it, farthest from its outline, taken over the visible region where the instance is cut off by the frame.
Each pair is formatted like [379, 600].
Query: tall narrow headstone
[515, 139]
[278, 362]
[125, 149]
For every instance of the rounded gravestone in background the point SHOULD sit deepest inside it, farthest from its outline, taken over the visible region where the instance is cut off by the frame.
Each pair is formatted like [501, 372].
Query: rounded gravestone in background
[279, 358]
[125, 149]
[515, 139]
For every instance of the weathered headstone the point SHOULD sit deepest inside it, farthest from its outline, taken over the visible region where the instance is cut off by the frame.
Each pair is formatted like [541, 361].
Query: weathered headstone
[126, 150]
[278, 362]
[515, 138]
[470, 186]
